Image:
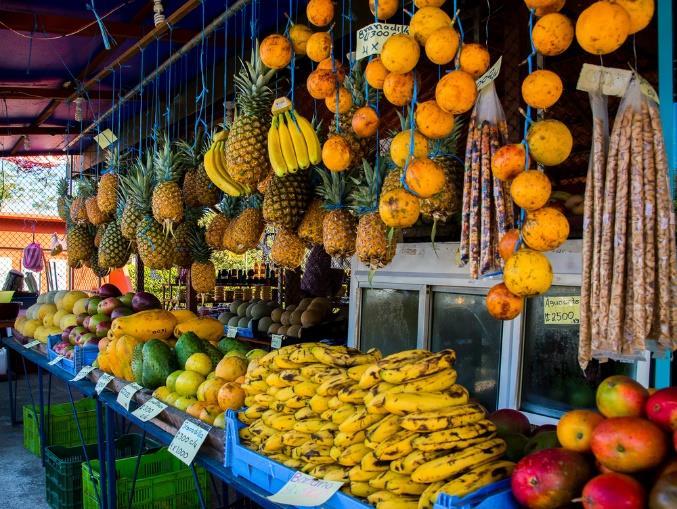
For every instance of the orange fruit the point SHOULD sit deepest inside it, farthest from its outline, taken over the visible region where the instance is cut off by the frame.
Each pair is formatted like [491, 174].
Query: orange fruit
[200, 363]
[574, 429]
[231, 396]
[230, 368]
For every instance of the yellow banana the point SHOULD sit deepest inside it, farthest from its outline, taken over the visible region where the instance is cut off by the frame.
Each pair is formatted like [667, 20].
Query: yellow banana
[295, 402]
[346, 358]
[309, 425]
[436, 382]
[352, 394]
[375, 402]
[292, 463]
[275, 150]
[268, 416]
[244, 419]
[255, 387]
[283, 422]
[273, 443]
[283, 362]
[444, 419]
[261, 429]
[369, 376]
[330, 426]
[361, 489]
[456, 438]
[226, 184]
[358, 421]
[397, 446]
[371, 463]
[405, 487]
[407, 402]
[448, 466]
[264, 399]
[333, 385]
[305, 413]
[300, 148]
[255, 412]
[381, 496]
[334, 403]
[313, 371]
[287, 146]
[339, 474]
[399, 503]
[285, 394]
[305, 389]
[379, 482]
[404, 357]
[245, 434]
[384, 429]
[303, 355]
[292, 376]
[429, 496]
[355, 373]
[319, 471]
[310, 136]
[426, 366]
[319, 404]
[323, 438]
[267, 359]
[345, 439]
[357, 474]
[294, 438]
[478, 477]
[350, 456]
[342, 413]
[249, 401]
[413, 460]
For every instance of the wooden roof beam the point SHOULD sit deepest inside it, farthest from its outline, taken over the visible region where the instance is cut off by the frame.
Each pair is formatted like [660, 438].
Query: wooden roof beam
[33, 93]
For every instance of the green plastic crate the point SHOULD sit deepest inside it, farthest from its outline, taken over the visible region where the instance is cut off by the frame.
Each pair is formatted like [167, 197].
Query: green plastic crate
[60, 426]
[63, 477]
[163, 482]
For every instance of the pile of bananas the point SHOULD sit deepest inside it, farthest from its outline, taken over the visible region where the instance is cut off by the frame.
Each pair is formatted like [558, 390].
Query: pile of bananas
[292, 141]
[215, 166]
[396, 430]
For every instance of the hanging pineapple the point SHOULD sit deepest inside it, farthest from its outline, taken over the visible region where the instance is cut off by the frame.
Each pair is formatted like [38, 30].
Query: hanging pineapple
[182, 236]
[360, 148]
[98, 233]
[167, 200]
[80, 241]
[286, 200]
[244, 232]
[217, 225]
[97, 269]
[246, 148]
[62, 202]
[202, 271]
[135, 190]
[94, 214]
[197, 188]
[288, 250]
[106, 197]
[338, 226]
[114, 249]
[372, 244]
[310, 229]
[78, 211]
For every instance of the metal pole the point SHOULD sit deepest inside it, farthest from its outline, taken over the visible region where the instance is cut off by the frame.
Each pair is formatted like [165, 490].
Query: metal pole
[110, 458]
[213, 26]
[104, 481]
[41, 399]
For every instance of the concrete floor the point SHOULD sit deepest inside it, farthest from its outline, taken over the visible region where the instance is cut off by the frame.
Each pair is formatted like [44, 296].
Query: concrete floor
[22, 478]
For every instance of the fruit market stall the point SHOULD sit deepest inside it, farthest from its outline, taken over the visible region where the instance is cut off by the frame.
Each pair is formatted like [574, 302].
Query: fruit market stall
[386, 254]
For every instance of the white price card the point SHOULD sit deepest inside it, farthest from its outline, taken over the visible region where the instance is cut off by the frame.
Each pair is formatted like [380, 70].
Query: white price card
[304, 490]
[86, 370]
[276, 340]
[104, 380]
[232, 332]
[490, 75]
[56, 360]
[188, 440]
[127, 393]
[562, 310]
[149, 409]
[32, 343]
[370, 39]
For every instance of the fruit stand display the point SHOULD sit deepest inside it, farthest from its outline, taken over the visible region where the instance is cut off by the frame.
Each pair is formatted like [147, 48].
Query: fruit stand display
[337, 157]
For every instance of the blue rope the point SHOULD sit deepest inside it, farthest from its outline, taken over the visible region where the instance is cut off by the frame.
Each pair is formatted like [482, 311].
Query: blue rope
[141, 106]
[225, 68]
[292, 64]
[107, 38]
[333, 69]
[412, 130]
[156, 113]
[460, 24]
[211, 115]
[168, 108]
[202, 96]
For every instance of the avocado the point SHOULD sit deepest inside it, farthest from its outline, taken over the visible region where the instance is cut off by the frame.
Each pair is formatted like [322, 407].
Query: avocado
[264, 324]
[234, 305]
[225, 316]
[243, 322]
[214, 353]
[233, 321]
[228, 344]
[259, 311]
[242, 309]
[158, 363]
[187, 344]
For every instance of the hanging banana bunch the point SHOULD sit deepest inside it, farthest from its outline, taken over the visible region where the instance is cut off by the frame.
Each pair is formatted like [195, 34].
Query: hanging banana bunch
[292, 142]
[215, 166]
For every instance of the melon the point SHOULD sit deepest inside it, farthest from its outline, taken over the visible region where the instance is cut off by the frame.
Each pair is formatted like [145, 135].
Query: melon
[234, 306]
[276, 315]
[295, 317]
[273, 328]
[243, 322]
[311, 317]
[294, 331]
[233, 321]
[264, 324]
[259, 310]
[242, 309]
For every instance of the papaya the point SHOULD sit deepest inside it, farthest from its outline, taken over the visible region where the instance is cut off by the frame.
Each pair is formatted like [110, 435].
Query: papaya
[183, 315]
[145, 325]
[205, 327]
[124, 349]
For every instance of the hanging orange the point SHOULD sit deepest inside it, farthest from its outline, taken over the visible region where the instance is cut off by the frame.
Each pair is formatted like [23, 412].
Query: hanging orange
[602, 28]
[321, 84]
[541, 89]
[375, 73]
[550, 142]
[336, 67]
[425, 21]
[456, 92]
[399, 147]
[552, 34]
[545, 229]
[275, 51]
[507, 243]
[320, 12]
[386, 8]
[336, 153]
[553, 6]
[400, 53]
[442, 45]
[398, 89]
[345, 101]
[318, 46]
[474, 59]
[508, 161]
[527, 273]
[502, 304]
[398, 208]
[425, 177]
[432, 121]
[640, 12]
[365, 122]
[531, 189]
[299, 35]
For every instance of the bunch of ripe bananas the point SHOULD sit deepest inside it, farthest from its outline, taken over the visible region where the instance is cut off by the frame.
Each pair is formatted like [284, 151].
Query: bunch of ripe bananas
[397, 430]
[292, 141]
[215, 166]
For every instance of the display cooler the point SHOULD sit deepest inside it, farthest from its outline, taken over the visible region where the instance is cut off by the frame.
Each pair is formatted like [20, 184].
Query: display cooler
[423, 299]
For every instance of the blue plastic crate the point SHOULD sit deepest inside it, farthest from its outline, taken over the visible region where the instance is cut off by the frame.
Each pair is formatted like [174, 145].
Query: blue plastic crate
[267, 474]
[81, 356]
[497, 495]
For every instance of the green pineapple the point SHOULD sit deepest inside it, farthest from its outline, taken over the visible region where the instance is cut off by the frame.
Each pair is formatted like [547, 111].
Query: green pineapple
[338, 226]
[135, 191]
[197, 189]
[63, 201]
[106, 197]
[78, 210]
[218, 223]
[244, 232]
[202, 271]
[246, 148]
[79, 240]
[182, 234]
[114, 249]
[286, 200]
[167, 199]
[372, 245]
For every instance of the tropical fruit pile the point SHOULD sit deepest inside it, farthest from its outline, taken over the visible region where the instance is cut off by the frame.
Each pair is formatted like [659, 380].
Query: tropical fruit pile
[393, 429]
[622, 455]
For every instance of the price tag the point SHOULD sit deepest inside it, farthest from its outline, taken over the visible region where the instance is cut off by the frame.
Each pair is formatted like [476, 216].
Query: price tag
[82, 373]
[126, 393]
[648, 90]
[102, 382]
[370, 39]
[56, 360]
[276, 340]
[490, 75]
[562, 310]
[149, 409]
[305, 491]
[231, 332]
[32, 343]
[188, 440]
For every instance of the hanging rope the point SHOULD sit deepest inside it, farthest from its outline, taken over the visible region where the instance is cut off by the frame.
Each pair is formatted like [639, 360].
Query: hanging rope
[141, 107]
[412, 130]
[108, 39]
[202, 96]
[225, 71]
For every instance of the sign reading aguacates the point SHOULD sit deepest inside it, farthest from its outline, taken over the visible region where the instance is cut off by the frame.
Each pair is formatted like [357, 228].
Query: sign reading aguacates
[562, 310]
[370, 39]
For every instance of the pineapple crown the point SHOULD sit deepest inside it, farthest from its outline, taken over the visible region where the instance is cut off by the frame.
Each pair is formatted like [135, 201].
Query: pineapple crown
[62, 188]
[193, 214]
[334, 189]
[367, 187]
[189, 155]
[449, 145]
[112, 160]
[354, 82]
[253, 95]
[164, 163]
[199, 249]
[229, 206]
[137, 186]
[86, 188]
[252, 201]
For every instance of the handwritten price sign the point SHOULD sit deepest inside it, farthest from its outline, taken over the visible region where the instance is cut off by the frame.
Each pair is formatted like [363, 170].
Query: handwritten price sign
[33, 343]
[188, 440]
[82, 373]
[562, 310]
[102, 382]
[149, 409]
[232, 332]
[370, 39]
[56, 360]
[127, 393]
[305, 491]
[276, 340]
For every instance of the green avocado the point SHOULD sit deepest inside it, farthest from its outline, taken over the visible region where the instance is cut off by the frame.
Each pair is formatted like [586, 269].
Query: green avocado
[214, 353]
[158, 363]
[188, 344]
[228, 344]
[137, 363]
